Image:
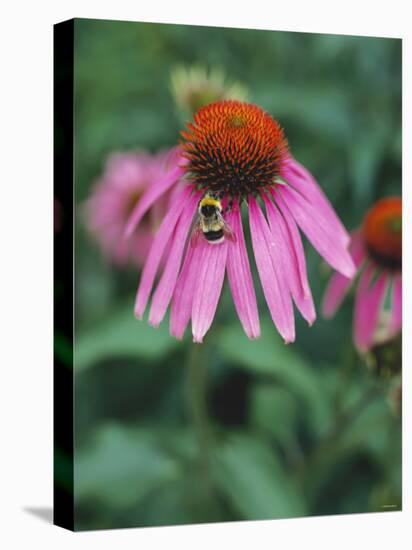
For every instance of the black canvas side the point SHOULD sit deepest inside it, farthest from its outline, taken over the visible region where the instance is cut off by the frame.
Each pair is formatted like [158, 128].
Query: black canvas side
[63, 274]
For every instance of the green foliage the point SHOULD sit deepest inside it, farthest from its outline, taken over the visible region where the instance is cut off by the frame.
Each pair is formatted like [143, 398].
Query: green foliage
[122, 335]
[269, 404]
[250, 474]
[271, 357]
[293, 430]
[121, 466]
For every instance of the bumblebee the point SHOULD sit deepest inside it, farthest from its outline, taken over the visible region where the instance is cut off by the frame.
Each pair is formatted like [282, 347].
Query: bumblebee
[210, 222]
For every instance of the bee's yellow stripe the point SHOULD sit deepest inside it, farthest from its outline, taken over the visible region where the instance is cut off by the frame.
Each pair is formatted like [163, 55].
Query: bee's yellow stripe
[208, 201]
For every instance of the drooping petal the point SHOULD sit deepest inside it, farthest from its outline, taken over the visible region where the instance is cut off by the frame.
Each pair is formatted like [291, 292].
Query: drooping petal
[321, 236]
[240, 277]
[339, 284]
[140, 246]
[297, 247]
[287, 261]
[181, 308]
[150, 196]
[208, 287]
[156, 252]
[278, 298]
[335, 292]
[368, 302]
[302, 180]
[397, 303]
[167, 283]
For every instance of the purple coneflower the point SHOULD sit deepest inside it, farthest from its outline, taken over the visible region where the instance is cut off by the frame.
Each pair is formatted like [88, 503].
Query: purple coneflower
[376, 249]
[237, 154]
[125, 179]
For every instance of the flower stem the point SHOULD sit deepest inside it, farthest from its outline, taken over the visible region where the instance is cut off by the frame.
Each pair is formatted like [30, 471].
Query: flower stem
[197, 378]
[347, 417]
[197, 368]
[343, 420]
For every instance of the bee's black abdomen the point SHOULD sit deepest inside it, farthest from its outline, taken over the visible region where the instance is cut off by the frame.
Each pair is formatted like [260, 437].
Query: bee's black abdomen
[214, 235]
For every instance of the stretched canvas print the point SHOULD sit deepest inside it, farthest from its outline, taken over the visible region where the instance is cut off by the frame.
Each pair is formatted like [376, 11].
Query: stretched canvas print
[228, 274]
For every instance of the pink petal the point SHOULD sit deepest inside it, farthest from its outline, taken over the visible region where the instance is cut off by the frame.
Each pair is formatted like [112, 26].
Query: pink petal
[165, 288]
[368, 302]
[156, 252]
[322, 238]
[151, 195]
[302, 180]
[397, 303]
[297, 247]
[335, 292]
[240, 277]
[287, 261]
[339, 284]
[277, 296]
[208, 287]
[181, 309]
[140, 247]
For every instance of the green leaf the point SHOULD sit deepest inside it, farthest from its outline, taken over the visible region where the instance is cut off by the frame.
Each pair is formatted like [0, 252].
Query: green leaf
[269, 404]
[270, 356]
[121, 466]
[122, 335]
[252, 477]
[365, 434]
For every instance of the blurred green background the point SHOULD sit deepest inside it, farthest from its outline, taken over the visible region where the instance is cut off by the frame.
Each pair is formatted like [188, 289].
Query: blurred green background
[258, 430]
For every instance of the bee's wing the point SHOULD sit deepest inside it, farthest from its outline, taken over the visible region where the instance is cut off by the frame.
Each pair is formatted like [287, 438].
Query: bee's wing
[197, 233]
[227, 229]
[229, 233]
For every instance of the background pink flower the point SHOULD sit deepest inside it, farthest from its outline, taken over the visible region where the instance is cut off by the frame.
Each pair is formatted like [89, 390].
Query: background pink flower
[376, 248]
[123, 183]
[238, 153]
